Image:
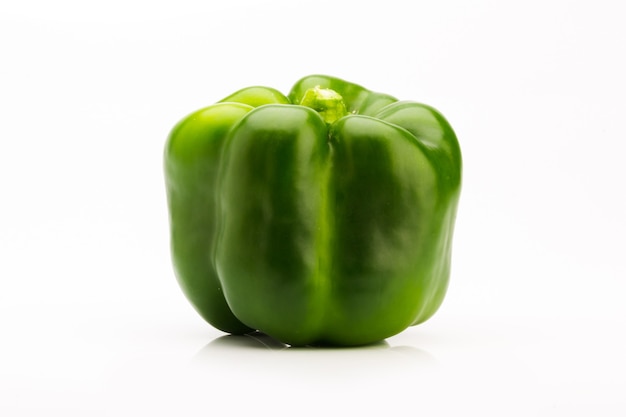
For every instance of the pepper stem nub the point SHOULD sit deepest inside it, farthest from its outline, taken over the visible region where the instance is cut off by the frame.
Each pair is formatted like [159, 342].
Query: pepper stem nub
[328, 103]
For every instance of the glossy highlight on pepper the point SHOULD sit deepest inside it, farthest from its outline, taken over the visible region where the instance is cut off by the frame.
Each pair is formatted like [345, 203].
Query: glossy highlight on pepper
[322, 217]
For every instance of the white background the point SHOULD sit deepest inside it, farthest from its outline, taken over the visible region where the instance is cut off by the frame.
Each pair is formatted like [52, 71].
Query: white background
[92, 322]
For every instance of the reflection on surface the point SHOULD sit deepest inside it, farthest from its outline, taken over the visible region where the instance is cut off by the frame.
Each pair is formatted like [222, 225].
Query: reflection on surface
[259, 354]
[261, 340]
[256, 369]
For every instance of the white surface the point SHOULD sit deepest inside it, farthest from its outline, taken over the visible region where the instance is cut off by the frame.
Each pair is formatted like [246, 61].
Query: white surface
[91, 319]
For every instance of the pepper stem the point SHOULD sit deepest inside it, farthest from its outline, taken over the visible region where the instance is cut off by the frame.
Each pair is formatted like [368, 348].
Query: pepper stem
[328, 103]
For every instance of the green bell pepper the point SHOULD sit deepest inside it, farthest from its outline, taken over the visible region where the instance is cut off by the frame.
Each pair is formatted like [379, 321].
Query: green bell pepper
[322, 217]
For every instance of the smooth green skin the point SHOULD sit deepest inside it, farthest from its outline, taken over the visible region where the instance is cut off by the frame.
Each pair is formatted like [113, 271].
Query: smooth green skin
[312, 233]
